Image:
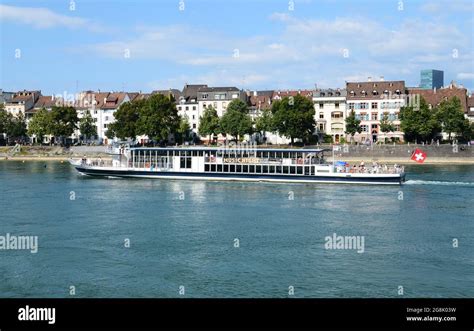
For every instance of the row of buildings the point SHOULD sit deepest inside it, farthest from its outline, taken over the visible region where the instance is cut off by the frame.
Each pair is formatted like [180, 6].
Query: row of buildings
[370, 100]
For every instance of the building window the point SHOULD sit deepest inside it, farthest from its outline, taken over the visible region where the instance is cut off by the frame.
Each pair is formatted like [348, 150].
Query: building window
[321, 115]
[179, 108]
[194, 107]
[105, 126]
[187, 108]
[374, 116]
[224, 105]
[336, 105]
[194, 125]
[204, 95]
[321, 105]
[321, 126]
[364, 128]
[374, 105]
[194, 117]
[351, 106]
[106, 118]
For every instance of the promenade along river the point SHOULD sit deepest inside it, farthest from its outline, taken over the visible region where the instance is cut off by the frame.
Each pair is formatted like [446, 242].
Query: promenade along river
[146, 238]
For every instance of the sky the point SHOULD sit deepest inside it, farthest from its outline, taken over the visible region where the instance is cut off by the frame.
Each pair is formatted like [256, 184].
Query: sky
[66, 46]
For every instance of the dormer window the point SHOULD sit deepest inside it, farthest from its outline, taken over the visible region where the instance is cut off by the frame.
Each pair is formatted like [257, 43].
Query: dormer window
[352, 93]
[338, 93]
[330, 94]
[385, 92]
[397, 92]
[363, 93]
[322, 94]
[374, 92]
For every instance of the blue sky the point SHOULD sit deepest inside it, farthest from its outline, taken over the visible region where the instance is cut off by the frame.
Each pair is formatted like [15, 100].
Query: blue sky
[252, 44]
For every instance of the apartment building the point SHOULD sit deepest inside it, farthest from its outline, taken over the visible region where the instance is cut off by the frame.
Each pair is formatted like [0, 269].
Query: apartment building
[330, 112]
[370, 100]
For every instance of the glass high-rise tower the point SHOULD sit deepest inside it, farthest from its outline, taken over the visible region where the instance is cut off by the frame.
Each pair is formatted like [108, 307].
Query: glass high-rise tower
[431, 78]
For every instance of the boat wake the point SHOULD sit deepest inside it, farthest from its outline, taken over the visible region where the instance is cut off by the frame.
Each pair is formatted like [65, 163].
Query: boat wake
[436, 182]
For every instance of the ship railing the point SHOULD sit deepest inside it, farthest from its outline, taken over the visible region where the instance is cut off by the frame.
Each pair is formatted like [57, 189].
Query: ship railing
[371, 169]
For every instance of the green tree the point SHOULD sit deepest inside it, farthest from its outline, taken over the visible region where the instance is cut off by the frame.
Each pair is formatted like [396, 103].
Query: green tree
[184, 129]
[236, 121]
[352, 125]
[386, 125]
[63, 121]
[15, 126]
[293, 117]
[40, 124]
[209, 123]
[419, 124]
[87, 126]
[451, 116]
[264, 123]
[158, 118]
[3, 119]
[126, 118]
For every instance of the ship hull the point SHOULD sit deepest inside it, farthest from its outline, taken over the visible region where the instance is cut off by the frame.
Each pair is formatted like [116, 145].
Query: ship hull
[336, 178]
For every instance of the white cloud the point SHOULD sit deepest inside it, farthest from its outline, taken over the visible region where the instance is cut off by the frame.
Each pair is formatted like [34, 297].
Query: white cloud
[465, 76]
[43, 18]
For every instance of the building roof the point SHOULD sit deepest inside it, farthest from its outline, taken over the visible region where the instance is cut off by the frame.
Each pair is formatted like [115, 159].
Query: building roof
[291, 93]
[174, 92]
[470, 101]
[435, 96]
[218, 89]
[24, 96]
[112, 100]
[260, 99]
[190, 90]
[374, 90]
[45, 101]
[324, 93]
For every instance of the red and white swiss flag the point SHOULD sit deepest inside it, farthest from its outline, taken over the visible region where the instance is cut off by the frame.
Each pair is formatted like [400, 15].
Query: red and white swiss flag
[418, 156]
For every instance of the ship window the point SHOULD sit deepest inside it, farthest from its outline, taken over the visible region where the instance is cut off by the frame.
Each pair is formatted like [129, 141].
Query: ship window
[246, 168]
[265, 169]
[185, 162]
[219, 168]
[285, 155]
[252, 169]
[265, 155]
[272, 169]
[259, 154]
[292, 170]
[226, 168]
[306, 171]
[285, 169]
[259, 169]
[278, 169]
[201, 153]
[232, 168]
[206, 167]
[195, 153]
[299, 170]
[278, 155]
[312, 171]
[213, 167]
[238, 168]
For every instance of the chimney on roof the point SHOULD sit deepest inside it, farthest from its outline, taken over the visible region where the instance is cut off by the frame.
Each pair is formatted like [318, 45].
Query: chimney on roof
[382, 78]
[434, 90]
[255, 93]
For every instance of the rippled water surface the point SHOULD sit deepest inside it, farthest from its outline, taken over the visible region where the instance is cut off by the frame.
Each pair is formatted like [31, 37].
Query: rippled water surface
[184, 233]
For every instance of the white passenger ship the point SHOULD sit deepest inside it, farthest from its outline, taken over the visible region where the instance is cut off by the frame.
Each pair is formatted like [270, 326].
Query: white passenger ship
[256, 164]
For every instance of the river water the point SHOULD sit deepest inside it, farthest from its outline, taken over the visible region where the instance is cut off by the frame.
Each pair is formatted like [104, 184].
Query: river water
[155, 238]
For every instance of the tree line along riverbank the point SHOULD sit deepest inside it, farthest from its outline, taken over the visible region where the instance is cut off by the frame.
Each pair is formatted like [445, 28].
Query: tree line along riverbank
[442, 154]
